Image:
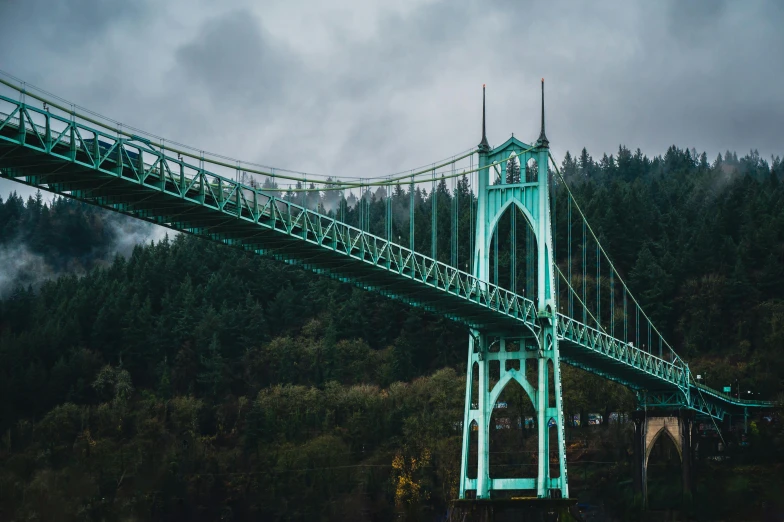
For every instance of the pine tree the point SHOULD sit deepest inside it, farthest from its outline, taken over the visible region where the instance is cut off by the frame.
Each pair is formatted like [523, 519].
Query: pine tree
[213, 369]
[569, 166]
[513, 170]
[586, 164]
[653, 284]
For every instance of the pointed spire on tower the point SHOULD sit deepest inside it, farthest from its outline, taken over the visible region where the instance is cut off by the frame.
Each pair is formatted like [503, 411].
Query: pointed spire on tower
[484, 146]
[543, 141]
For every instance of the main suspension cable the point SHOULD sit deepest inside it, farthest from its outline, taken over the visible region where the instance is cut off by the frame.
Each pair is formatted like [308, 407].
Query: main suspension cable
[612, 266]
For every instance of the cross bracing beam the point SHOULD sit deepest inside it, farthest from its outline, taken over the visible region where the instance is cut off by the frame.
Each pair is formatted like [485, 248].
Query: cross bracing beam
[699, 402]
[137, 178]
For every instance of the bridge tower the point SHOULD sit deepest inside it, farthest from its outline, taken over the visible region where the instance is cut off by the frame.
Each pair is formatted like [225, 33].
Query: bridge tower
[538, 346]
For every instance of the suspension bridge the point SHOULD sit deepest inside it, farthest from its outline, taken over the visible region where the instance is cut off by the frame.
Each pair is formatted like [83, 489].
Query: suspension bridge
[527, 303]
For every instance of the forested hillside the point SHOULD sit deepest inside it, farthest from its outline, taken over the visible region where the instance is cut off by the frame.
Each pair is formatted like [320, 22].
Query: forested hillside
[192, 381]
[703, 248]
[39, 241]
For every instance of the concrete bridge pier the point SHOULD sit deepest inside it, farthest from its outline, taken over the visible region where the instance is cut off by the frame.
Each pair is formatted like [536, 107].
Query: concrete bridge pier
[649, 425]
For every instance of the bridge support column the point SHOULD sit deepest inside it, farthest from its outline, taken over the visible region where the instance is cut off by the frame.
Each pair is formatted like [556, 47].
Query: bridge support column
[481, 397]
[687, 456]
[638, 468]
[648, 427]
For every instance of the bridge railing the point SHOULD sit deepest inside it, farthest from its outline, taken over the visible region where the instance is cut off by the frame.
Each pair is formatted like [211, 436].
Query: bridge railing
[729, 398]
[675, 372]
[136, 159]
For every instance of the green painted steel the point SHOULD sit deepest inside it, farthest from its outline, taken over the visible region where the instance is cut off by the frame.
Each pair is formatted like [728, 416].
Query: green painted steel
[91, 165]
[130, 174]
[532, 198]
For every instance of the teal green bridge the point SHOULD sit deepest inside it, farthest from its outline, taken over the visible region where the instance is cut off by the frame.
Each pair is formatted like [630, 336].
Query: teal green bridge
[50, 144]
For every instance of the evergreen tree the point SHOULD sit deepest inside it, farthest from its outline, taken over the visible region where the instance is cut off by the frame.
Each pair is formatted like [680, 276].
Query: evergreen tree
[513, 170]
[213, 368]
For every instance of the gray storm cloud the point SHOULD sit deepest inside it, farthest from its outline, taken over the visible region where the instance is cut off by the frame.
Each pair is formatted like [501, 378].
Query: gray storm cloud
[352, 89]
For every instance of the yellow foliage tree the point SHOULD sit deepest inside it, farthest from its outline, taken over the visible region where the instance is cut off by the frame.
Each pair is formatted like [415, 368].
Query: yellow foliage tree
[408, 475]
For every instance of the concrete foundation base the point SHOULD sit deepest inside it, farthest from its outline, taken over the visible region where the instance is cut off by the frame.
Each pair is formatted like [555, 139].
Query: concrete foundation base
[514, 510]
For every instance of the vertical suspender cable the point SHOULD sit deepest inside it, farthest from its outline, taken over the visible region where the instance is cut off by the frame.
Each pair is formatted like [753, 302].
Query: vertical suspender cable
[637, 323]
[513, 259]
[434, 219]
[451, 191]
[569, 254]
[553, 230]
[387, 222]
[412, 217]
[471, 224]
[598, 288]
[530, 292]
[455, 221]
[625, 318]
[342, 207]
[389, 213]
[612, 303]
[361, 205]
[585, 273]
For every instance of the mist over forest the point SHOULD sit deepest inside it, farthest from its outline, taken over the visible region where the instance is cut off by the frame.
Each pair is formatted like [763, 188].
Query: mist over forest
[41, 240]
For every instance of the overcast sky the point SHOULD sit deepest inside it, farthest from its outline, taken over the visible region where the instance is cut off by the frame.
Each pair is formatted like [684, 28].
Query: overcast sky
[360, 88]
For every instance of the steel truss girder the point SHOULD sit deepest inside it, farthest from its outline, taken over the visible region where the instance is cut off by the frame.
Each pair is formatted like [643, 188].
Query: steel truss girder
[621, 352]
[673, 400]
[106, 159]
[699, 398]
